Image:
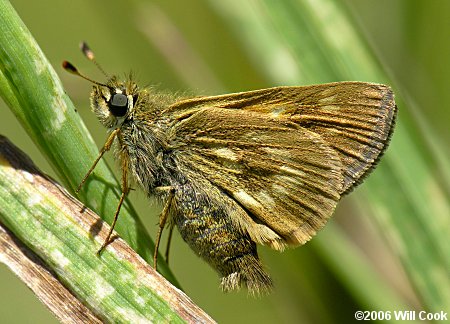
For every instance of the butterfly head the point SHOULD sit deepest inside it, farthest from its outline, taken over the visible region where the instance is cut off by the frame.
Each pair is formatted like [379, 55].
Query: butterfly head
[113, 103]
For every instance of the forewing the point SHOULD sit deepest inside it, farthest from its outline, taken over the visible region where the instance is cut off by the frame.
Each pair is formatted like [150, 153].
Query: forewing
[284, 176]
[356, 119]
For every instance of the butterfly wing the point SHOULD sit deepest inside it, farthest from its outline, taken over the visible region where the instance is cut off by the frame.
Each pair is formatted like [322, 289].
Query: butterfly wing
[356, 119]
[286, 178]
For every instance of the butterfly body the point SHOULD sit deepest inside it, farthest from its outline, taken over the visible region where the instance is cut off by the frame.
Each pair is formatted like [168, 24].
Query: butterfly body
[262, 167]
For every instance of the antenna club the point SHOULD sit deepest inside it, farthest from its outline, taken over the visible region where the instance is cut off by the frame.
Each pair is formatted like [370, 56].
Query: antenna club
[89, 54]
[69, 67]
[87, 51]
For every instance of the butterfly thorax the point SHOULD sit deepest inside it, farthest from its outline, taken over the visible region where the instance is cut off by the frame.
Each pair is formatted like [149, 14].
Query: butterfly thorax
[142, 137]
[145, 148]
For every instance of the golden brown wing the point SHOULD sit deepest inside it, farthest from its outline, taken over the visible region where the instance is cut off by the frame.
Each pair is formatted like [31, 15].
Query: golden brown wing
[356, 119]
[287, 178]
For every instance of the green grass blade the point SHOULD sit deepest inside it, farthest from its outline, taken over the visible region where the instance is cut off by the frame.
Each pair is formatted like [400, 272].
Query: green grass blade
[118, 286]
[33, 91]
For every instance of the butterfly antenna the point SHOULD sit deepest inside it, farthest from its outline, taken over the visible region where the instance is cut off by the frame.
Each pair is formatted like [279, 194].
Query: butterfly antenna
[91, 57]
[69, 67]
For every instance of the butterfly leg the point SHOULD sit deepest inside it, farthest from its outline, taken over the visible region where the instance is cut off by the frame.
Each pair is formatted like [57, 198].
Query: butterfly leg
[125, 191]
[169, 239]
[162, 221]
[104, 149]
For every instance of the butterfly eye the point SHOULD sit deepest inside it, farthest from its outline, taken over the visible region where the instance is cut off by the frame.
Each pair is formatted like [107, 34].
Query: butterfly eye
[118, 105]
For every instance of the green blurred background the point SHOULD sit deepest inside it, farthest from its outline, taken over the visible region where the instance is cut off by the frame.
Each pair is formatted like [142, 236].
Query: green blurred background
[200, 47]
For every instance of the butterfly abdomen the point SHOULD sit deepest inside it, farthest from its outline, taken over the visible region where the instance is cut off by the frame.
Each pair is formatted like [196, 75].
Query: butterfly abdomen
[209, 231]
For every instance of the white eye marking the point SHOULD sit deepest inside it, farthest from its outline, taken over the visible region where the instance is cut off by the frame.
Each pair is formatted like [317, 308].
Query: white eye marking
[130, 102]
[105, 94]
[118, 90]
